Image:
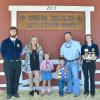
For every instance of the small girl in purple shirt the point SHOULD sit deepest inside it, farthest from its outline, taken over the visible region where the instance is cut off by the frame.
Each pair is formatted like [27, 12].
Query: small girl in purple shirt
[46, 67]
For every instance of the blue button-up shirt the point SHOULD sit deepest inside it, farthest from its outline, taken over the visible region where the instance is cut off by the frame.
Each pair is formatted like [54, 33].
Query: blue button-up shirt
[10, 50]
[70, 50]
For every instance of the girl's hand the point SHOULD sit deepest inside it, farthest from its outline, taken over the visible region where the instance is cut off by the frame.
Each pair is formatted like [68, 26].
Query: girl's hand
[52, 68]
[43, 68]
[84, 57]
[94, 58]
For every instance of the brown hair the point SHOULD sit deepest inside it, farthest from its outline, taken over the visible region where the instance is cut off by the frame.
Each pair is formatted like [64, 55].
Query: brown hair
[68, 33]
[13, 28]
[90, 36]
[46, 53]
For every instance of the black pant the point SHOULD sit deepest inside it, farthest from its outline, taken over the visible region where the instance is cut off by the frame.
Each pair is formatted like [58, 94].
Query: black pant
[89, 71]
[12, 71]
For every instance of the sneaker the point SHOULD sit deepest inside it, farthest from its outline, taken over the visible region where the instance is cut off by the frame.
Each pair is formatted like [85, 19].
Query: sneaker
[16, 95]
[75, 96]
[9, 96]
[92, 96]
[49, 93]
[31, 93]
[68, 92]
[61, 95]
[37, 91]
[42, 94]
[86, 93]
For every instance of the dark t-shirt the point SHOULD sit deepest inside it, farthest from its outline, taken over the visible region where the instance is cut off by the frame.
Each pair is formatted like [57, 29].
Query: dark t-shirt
[34, 60]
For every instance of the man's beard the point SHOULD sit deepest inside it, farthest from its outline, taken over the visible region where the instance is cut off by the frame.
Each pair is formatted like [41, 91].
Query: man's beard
[68, 40]
[13, 36]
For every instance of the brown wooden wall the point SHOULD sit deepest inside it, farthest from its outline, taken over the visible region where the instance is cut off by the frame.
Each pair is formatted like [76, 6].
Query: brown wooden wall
[78, 35]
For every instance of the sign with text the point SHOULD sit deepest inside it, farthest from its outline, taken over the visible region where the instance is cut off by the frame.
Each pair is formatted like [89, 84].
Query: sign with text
[50, 21]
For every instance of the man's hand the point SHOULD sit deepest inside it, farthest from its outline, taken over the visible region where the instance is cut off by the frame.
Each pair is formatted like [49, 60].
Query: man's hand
[22, 57]
[79, 62]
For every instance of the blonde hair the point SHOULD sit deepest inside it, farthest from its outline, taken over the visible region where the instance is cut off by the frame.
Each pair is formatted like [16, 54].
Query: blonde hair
[38, 47]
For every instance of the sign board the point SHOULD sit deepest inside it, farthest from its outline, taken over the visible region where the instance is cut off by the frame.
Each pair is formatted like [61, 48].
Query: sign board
[51, 20]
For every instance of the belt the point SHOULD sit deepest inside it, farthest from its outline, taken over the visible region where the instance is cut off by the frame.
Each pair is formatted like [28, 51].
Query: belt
[71, 60]
[89, 60]
[15, 60]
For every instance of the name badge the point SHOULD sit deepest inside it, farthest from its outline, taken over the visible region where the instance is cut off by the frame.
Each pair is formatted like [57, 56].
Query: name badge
[18, 45]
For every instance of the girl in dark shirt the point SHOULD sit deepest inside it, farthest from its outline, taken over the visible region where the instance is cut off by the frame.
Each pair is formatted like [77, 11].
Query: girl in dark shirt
[34, 55]
[89, 54]
[34, 60]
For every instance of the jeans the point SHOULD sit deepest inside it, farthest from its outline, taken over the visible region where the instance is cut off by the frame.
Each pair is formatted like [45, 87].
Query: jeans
[72, 76]
[61, 84]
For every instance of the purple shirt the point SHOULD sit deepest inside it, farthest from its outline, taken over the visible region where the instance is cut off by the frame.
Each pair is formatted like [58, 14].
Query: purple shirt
[46, 63]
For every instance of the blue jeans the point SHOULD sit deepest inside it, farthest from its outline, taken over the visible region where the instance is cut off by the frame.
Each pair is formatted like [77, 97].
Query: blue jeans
[72, 76]
[61, 84]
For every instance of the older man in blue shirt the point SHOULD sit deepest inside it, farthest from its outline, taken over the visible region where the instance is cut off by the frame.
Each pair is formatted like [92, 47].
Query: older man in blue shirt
[11, 49]
[71, 50]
